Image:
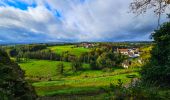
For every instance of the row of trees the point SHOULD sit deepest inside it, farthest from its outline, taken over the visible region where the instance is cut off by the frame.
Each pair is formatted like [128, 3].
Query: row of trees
[98, 58]
[14, 51]
[43, 54]
[76, 66]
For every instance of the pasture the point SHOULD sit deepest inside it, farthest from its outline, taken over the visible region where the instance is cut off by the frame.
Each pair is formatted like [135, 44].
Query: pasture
[47, 82]
[44, 68]
[69, 48]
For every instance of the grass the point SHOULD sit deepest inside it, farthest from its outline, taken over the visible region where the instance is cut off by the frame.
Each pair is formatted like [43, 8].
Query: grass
[44, 68]
[70, 48]
[81, 82]
[79, 86]
[90, 96]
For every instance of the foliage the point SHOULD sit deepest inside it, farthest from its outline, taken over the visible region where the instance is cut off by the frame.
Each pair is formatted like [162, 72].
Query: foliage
[159, 67]
[44, 55]
[12, 83]
[104, 57]
[60, 68]
[93, 65]
[14, 51]
[76, 65]
[135, 91]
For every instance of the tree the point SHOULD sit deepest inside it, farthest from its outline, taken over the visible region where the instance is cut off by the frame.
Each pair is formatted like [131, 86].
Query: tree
[105, 61]
[60, 68]
[157, 70]
[168, 17]
[141, 6]
[93, 65]
[12, 83]
[76, 65]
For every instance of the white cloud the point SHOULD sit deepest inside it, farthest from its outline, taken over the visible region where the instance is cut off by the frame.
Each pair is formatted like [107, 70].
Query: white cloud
[92, 20]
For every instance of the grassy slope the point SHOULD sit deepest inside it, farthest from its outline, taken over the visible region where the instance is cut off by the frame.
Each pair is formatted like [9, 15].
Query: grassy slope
[71, 83]
[73, 50]
[79, 86]
[43, 68]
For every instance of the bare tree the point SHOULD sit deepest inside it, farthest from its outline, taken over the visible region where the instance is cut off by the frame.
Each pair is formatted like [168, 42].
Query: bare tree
[141, 6]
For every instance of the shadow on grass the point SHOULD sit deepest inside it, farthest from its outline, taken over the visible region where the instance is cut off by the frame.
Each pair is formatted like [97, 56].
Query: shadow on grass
[131, 76]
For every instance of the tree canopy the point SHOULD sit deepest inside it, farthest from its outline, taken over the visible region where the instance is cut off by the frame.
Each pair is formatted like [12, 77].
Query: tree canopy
[159, 66]
[12, 83]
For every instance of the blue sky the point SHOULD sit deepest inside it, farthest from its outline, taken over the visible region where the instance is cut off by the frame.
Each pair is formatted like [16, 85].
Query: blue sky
[72, 21]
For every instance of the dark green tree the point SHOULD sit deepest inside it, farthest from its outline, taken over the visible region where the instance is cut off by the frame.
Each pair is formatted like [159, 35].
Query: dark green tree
[76, 65]
[93, 65]
[60, 68]
[12, 83]
[159, 67]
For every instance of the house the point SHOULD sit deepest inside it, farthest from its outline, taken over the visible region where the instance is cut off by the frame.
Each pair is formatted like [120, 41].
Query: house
[123, 51]
[87, 45]
[133, 53]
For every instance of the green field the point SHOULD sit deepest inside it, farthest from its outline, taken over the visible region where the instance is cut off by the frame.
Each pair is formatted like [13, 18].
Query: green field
[70, 48]
[78, 86]
[81, 82]
[44, 68]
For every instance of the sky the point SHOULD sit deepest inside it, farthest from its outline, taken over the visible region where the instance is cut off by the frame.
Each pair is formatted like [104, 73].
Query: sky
[29, 21]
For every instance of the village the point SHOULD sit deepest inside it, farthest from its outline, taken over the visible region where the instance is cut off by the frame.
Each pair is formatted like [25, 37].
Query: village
[131, 53]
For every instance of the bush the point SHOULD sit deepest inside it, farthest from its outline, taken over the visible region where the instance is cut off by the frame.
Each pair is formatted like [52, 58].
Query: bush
[60, 68]
[76, 66]
[134, 91]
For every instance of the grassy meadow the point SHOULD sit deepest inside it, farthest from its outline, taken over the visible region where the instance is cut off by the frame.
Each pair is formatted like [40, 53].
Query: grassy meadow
[44, 68]
[44, 76]
[70, 48]
[47, 82]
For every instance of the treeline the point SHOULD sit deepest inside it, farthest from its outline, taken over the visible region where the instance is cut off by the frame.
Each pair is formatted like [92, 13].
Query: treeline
[98, 58]
[42, 54]
[14, 51]
[34, 51]
[122, 45]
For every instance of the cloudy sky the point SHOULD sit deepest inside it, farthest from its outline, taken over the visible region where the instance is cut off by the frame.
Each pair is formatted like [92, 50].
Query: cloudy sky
[72, 21]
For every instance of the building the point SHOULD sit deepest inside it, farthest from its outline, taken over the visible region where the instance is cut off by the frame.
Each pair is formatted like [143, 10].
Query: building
[123, 51]
[88, 45]
[133, 53]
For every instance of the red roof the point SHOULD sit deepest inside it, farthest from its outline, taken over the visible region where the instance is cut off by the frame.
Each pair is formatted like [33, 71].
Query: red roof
[123, 50]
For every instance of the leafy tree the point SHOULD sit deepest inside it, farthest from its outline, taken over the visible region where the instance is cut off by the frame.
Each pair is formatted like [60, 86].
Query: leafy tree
[105, 61]
[76, 65]
[159, 67]
[93, 65]
[12, 83]
[60, 68]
